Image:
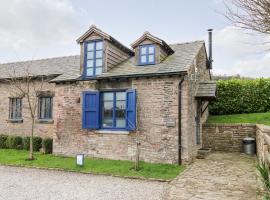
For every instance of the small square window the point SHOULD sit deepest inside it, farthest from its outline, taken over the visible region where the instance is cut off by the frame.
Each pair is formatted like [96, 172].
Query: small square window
[147, 54]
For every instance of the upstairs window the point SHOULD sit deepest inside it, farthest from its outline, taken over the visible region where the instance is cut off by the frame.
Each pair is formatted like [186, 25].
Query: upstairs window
[45, 108]
[147, 54]
[93, 58]
[15, 108]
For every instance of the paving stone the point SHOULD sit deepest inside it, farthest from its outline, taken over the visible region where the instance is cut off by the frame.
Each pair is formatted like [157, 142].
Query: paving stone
[221, 176]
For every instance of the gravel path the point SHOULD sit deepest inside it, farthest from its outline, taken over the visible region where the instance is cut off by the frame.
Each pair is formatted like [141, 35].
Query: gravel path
[32, 184]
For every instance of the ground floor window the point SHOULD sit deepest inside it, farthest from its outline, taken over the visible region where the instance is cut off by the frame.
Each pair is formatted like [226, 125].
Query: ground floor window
[45, 107]
[113, 110]
[15, 108]
[109, 110]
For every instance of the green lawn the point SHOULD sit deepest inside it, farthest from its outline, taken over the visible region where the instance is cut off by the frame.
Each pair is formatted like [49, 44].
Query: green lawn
[98, 166]
[254, 118]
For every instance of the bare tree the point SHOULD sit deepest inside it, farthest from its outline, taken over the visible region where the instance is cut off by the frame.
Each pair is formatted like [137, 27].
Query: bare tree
[249, 14]
[24, 84]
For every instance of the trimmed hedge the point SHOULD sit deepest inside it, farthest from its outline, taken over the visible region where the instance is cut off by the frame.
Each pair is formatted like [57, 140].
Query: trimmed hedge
[14, 142]
[37, 143]
[237, 96]
[3, 139]
[17, 142]
[47, 145]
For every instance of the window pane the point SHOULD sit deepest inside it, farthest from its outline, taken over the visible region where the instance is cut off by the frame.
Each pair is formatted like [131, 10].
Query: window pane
[151, 50]
[90, 46]
[108, 96]
[98, 62]
[107, 114]
[120, 96]
[90, 63]
[99, 45]
[120, 118]
[143, 59]
[151, 58]
[99, 54]
[89, 71]
[98, 70]
[120, 104]
[108, 105]
[143, 50]
[90, 55]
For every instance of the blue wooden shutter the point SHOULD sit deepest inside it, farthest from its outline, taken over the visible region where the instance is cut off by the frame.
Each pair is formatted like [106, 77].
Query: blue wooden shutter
[131, 110]
[90, 116]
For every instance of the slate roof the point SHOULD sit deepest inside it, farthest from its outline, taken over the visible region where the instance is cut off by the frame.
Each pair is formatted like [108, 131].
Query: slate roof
[68, 67]
[206, 90]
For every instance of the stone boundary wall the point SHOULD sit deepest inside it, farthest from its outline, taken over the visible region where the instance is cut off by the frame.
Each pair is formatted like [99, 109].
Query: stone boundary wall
[261, 144]
[226, 137]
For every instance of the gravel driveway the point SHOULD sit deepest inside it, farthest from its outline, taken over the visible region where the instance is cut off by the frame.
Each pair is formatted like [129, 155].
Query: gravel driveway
[31, 184]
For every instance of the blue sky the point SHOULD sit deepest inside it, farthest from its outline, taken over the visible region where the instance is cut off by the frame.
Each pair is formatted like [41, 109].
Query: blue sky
[33, 29]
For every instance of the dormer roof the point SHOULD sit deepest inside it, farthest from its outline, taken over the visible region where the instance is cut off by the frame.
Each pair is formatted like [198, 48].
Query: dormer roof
[94, 29]
[149, 36]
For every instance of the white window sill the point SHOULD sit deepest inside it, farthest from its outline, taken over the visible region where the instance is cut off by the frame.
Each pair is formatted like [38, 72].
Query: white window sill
[116, 132]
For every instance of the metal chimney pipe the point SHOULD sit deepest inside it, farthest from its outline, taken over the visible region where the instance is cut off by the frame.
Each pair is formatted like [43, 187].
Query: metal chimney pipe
[210, 58]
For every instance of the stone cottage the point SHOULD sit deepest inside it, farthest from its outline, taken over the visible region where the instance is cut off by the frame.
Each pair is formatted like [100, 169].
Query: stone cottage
[104, 100]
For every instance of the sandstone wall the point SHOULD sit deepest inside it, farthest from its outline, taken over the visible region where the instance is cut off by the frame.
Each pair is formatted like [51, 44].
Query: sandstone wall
[227, 137]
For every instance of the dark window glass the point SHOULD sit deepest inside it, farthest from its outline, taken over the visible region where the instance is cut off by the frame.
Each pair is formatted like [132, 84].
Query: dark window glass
[15, 108]
[45, 107]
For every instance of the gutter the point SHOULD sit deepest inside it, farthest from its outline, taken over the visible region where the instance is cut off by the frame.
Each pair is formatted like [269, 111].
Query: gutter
[180, 121]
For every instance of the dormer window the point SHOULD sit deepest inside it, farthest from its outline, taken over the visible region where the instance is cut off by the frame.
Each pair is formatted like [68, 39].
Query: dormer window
[93, 58]
[147, 54]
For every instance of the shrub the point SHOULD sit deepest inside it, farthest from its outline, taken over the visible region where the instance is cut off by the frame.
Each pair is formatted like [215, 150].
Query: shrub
[3, 139]
[238, 96]
[26, 143]
[47, 145]
[14, 142]
[37, 143]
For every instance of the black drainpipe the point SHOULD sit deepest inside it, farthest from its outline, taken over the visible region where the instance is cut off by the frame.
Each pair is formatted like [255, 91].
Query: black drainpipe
[180, 121]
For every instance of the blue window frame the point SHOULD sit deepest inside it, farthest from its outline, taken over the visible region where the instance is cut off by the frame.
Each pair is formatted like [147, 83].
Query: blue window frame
[110, 110]
[93, 58]
[147, 54]
[113, 112]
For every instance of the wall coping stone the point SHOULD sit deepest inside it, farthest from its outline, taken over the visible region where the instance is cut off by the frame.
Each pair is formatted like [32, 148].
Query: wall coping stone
[230, 124]
[263, 128]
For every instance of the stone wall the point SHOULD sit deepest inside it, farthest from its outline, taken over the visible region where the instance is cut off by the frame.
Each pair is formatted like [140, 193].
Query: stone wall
[260, 141]
[227, 137]
[23, 128]
[157, 122]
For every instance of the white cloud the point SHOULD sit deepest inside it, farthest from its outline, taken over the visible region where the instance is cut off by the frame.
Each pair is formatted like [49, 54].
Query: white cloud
[33, 25]
[238, 52]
